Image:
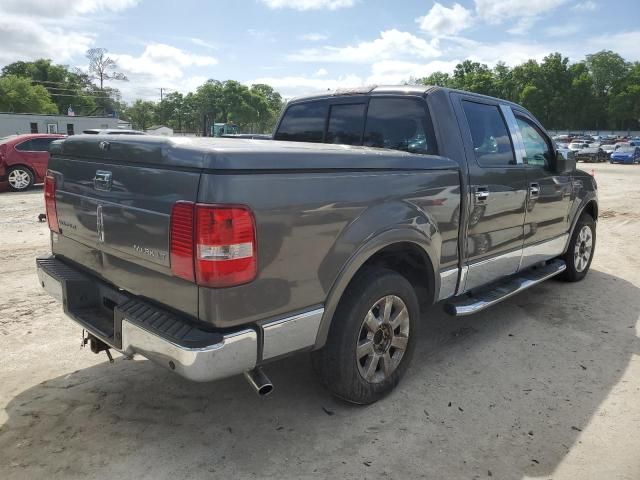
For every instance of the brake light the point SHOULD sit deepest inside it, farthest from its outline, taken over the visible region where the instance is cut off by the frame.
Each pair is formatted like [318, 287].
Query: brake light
[50, 202]
[213, 244]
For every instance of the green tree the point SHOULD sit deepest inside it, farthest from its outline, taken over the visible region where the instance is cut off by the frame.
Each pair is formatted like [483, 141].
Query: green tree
[67, 88]
[18, 95]
[142, 114]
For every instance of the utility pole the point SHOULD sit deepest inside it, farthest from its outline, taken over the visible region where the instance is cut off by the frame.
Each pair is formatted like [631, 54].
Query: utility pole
[162, 91]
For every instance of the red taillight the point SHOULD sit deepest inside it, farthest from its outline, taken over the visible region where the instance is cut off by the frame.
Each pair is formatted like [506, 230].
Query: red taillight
[214, 244]
[182, 245]
[50, 202]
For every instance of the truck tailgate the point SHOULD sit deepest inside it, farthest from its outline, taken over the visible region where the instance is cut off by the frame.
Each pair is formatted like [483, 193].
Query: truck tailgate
[114, 200]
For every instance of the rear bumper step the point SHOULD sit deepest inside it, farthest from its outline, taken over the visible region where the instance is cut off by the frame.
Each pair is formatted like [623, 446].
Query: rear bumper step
[132, 326]
[490, 295]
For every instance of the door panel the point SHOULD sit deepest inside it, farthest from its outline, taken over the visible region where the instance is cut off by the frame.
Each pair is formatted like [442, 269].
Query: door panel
[550, 195]
[498, 193]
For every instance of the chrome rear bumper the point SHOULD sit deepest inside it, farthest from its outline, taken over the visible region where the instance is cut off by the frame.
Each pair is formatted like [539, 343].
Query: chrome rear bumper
[230, 354]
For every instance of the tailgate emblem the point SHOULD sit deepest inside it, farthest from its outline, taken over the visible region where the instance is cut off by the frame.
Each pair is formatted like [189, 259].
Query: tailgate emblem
[100, 224]
[102, 180]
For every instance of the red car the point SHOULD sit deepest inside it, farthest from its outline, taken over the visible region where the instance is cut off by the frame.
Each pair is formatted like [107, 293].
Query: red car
[24, 159]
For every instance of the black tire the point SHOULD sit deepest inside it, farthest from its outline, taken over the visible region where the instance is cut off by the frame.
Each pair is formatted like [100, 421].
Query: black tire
[336, 363]
[20, 178]
[577, 268]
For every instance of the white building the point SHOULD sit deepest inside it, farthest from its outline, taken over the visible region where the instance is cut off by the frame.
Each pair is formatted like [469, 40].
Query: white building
[160, 130]
[17, 123]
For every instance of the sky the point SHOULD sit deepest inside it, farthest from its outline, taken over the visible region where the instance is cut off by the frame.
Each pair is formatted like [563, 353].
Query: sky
[306, 46]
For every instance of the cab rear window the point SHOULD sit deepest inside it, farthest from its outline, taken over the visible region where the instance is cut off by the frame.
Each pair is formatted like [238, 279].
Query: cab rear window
[395, 123]
[304, 122]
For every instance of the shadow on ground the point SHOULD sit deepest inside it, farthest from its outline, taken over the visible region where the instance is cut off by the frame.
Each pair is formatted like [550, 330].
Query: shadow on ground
[505, 393]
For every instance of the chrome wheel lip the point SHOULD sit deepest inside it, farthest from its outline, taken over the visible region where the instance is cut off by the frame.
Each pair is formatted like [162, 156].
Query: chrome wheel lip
[19, 179]
[383, 339]
[583, 249]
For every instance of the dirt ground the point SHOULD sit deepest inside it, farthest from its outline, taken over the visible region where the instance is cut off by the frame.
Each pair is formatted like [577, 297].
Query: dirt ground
[545, 385]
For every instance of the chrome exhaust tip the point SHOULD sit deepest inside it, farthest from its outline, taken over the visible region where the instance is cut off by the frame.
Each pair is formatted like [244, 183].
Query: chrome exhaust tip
[259, 381]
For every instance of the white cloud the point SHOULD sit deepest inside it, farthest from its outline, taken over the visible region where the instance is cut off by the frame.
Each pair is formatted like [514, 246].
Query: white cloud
[527, 12]
[313, 37]
[588, 6]
[44, 8]
[290, 86]
[392, 44]
[445, 21]
[31, 29]
[392, 72]
[23, 39]
[159, 65]
[309, 4]
[202, 43]
[564, 30]
[322, 73]
[523, 25]
[497, 11]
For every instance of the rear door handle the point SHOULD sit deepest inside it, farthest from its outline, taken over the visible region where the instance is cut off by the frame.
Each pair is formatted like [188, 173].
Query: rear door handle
[482, 194]
[534, 190]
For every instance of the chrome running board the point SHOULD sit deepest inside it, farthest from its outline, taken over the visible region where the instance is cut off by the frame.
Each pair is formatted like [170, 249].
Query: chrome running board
[487, 296]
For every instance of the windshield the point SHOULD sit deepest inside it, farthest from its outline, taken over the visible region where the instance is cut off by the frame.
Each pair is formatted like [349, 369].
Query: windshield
[627, 149]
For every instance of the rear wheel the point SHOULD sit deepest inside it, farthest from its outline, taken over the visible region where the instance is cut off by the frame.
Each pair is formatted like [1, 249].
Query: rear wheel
[20, 178]
[372, 337]
[579, 254]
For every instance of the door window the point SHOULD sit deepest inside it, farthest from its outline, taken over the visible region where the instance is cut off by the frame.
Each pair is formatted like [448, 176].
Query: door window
[303, 123]
[399, 124]
[346, 123]
[536, 146]
[491, 141]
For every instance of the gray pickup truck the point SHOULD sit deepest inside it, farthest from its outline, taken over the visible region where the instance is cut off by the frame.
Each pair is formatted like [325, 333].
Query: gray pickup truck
[213, 257]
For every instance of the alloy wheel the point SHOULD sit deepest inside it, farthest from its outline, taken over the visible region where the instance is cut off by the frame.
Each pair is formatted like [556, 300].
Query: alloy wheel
[19, 179]
[583, 248]
[383, 339]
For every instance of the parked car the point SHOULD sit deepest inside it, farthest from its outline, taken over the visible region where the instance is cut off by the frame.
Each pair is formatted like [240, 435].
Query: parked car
[608, 149]
[24, 159]
[112, 131]
[628, 155]
[214, 256]
[591, 154]
[565, 151]
[576, 146]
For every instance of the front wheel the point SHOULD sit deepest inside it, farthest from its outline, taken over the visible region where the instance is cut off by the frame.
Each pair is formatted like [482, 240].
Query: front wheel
[579, 254]
[372, 337]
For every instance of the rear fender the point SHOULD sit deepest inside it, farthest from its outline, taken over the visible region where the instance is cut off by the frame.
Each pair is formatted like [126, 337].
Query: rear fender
[412, 226]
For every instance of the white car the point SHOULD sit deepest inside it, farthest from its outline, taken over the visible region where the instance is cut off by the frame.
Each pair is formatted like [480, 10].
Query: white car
[576, 146]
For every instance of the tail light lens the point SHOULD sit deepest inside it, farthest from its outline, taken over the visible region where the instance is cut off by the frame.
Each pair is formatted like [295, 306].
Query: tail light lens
[50, 202]
[214, 244]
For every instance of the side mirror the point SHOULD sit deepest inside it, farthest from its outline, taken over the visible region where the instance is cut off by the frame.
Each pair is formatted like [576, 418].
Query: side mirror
[565, 165]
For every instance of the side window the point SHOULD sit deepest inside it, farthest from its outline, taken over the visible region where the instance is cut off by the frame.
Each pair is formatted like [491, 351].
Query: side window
[303, 123]
[399, 124]
[536, 145]
[24, 146]
[491, 140]
[346, 123]
[41, 144]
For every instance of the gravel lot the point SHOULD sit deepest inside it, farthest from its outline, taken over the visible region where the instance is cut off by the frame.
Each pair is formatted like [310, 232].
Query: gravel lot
[546, 385]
